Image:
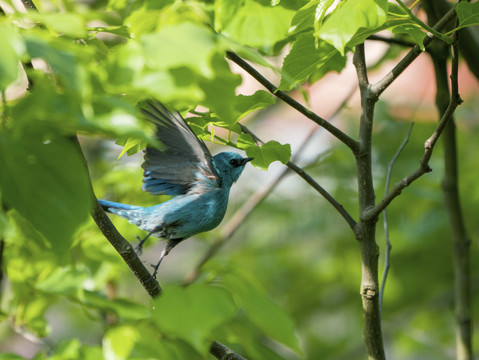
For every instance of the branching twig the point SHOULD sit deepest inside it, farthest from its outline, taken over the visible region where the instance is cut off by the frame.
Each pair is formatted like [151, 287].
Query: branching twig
[346, 139]
[387, 80]
[387, 263]
[306, 177]
[423, 168]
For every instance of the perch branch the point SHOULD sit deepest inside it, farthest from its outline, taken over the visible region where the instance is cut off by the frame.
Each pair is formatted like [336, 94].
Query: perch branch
[222, 352]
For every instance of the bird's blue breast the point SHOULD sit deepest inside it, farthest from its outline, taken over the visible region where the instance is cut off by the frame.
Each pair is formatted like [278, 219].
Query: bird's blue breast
[182, 216]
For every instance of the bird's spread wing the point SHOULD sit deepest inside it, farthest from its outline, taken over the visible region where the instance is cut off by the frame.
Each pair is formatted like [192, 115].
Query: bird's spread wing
[185, 159]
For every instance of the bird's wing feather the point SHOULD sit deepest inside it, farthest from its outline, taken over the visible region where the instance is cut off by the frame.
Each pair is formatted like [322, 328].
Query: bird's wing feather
[177, 168]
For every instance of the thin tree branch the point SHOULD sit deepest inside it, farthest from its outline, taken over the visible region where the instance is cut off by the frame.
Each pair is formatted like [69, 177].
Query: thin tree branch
[346, 139]
[423, 168]
[126, 251]
[306, 177]
[222, 352]
[387, 263]
[388, 79]
[29, 5]
[391, 40]
[418, 21]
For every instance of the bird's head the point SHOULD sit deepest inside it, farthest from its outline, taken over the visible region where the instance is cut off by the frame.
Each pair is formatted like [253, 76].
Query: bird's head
[229, 166]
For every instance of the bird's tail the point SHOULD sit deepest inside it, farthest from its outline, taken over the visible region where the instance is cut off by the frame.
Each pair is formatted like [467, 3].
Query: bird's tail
[111, 206]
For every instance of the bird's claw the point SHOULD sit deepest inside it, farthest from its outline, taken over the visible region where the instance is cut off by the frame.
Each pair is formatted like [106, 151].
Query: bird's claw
[155, 267]
[139, 246]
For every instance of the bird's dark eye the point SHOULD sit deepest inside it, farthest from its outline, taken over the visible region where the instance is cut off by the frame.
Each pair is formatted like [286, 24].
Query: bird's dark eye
[234, 162]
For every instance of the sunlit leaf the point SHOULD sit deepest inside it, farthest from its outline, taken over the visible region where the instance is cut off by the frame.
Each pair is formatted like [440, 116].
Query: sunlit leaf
[349, 17]
[119, 341]
[256, 24]
[264, 155]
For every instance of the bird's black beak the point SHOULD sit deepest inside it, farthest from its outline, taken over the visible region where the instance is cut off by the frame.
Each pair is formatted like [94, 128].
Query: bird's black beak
[246, 160]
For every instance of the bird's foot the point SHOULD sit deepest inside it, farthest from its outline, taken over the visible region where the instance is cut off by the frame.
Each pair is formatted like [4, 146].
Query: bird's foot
[155, 268]
[139, 246]
[170, 245]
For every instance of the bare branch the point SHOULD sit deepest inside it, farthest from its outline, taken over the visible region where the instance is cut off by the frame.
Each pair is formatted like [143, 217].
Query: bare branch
[222, 352]
[387, 263]
[346, 139]
[29, 5]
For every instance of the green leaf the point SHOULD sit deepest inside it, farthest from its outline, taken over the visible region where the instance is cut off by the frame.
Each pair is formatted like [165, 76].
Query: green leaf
[119, 341]
[262, 311]
[192, 313]
[47, 184]
[343, 23]
[186, 44]
[220, 90]
[467, 13]
[64, 23]
[9, 60]
[304, 17]
[254, 23]
[130, 145]
[309, 56]
[246, 104]
[412, 30]
[264, 155]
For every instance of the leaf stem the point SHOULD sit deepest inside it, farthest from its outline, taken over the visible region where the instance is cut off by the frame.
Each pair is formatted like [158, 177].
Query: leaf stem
[418, 21]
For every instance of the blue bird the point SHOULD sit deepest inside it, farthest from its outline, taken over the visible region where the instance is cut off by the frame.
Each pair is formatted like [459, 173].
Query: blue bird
[199, 183]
